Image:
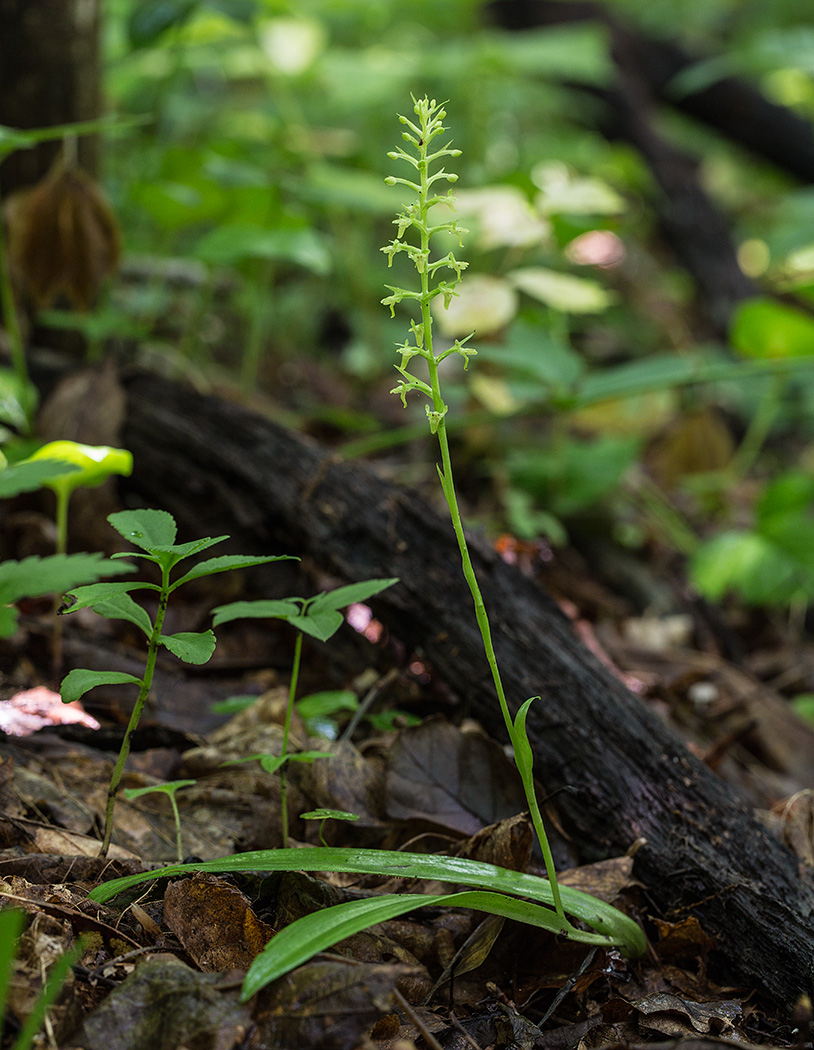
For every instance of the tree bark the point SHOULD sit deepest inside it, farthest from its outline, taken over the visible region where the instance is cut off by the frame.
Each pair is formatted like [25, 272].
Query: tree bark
[49, 75]
[618, 774]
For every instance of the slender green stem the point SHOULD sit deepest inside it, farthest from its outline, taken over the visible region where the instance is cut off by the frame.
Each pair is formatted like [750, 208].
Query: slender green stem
[144, 692]
[292, 693]
[177, 817]
[418, 217]
[424, 348]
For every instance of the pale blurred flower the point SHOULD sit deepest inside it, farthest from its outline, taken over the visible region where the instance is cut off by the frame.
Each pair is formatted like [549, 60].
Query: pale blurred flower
[564, 191]
[500, 216]
[291, 44]
[483, 305]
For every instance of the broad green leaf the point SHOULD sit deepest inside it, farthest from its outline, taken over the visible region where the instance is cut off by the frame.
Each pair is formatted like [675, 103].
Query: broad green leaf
[342, 597]
[603, 918]
[146, 528]
[227, 562]
[190, 646]
[320, 624]
[304, 938]
[96, 593]
[280, 608]
[78, 682]
[123, 607]
[31, 474]
[326, 702]
[751, 565]
[94, 463]
[35, 576]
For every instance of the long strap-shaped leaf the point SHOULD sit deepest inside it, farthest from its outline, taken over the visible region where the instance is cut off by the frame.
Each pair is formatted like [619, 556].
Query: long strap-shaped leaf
[313, 933]
[617, 929]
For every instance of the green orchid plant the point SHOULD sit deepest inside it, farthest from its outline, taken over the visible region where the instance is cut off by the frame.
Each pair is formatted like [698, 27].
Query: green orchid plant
[561, 910]
[154, 532]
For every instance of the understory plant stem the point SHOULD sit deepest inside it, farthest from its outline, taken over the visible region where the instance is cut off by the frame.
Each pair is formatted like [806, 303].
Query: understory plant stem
[143, 693]
[417, 217]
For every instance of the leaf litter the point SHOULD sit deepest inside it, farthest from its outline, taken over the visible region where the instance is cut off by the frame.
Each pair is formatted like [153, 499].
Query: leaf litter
[445, 977]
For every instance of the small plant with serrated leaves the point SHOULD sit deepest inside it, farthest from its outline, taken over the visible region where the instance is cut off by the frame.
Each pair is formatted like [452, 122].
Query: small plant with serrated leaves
[318, 617]
[154, 531]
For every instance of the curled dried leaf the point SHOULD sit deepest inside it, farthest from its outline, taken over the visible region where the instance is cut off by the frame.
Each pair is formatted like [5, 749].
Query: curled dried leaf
[63, 238]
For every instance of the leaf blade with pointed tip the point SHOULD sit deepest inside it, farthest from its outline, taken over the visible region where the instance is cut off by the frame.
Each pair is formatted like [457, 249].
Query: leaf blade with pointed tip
[227, 562]
[78, 682]
[193, 647]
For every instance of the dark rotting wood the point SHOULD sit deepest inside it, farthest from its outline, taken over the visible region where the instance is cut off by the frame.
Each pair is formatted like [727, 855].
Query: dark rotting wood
[619, 775]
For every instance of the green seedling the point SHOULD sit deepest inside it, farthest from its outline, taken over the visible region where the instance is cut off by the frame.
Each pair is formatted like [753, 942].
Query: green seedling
[11, 927]
[318, 617]
[168, 789]
[92, 464]
[495, 890]
[34, 577]
[154, 531]
[324, 815]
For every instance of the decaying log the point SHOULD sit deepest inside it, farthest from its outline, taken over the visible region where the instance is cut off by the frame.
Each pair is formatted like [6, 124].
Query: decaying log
[619, 774]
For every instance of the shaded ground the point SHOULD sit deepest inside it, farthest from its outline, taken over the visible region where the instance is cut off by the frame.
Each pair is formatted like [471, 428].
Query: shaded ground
[448, 978]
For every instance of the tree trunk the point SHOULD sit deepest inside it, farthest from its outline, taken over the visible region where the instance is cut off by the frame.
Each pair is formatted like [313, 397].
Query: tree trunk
[619, 775]
[49, 75]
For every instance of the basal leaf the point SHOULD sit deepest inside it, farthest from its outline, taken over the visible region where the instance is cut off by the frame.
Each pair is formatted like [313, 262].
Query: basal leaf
[78, 682]
[192, 647]
[603, 918]
[304, 938]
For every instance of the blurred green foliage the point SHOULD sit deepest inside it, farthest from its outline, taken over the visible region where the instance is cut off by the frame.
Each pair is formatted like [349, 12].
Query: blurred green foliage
[253, 200]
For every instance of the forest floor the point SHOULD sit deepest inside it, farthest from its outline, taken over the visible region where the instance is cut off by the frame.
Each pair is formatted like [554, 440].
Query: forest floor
[163, 967]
